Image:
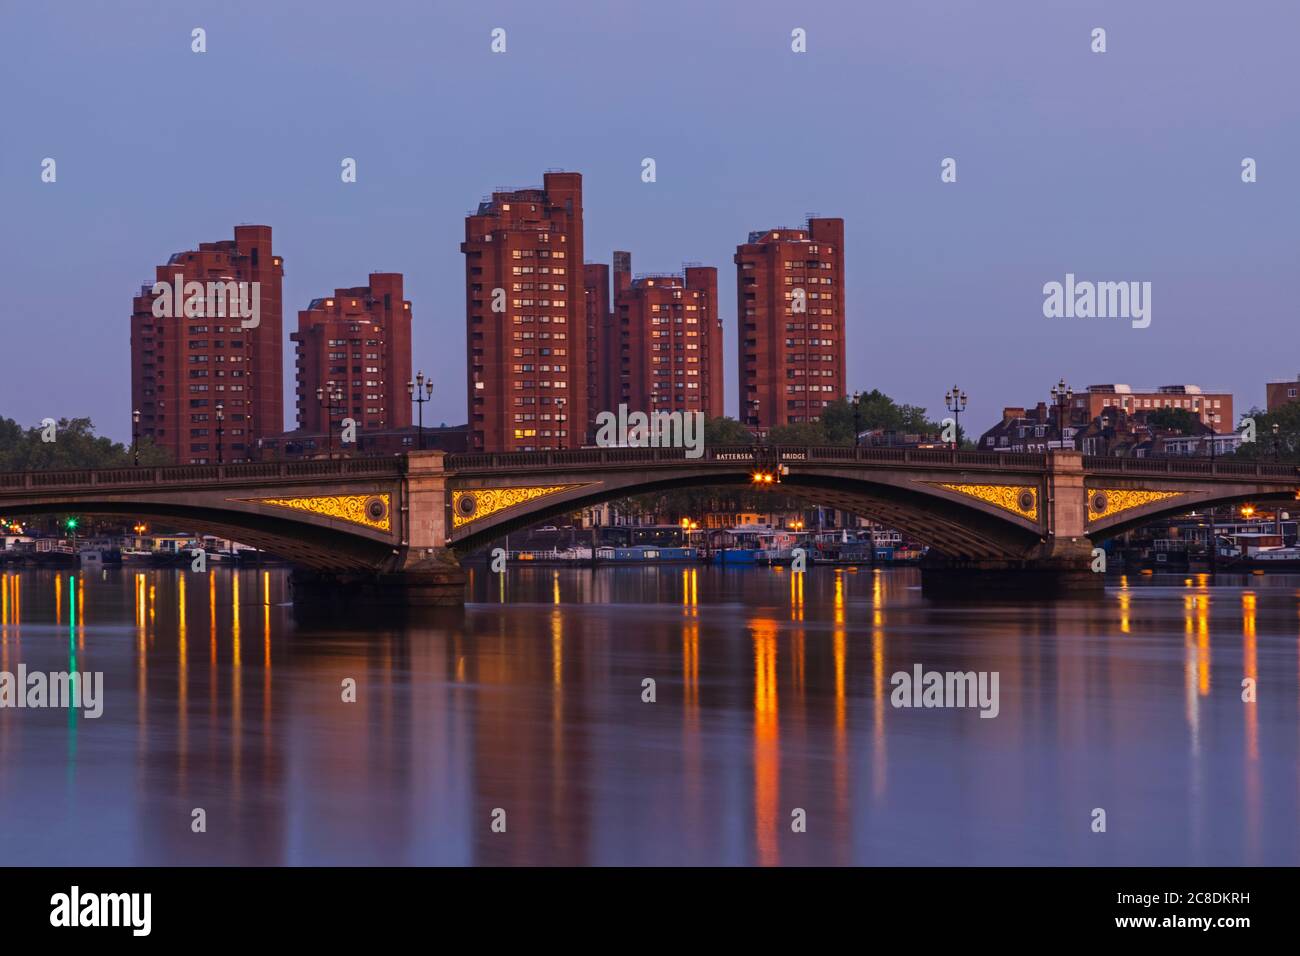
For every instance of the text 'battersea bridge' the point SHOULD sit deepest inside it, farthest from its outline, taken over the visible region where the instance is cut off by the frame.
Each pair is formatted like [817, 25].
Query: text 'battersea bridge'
[402, 522]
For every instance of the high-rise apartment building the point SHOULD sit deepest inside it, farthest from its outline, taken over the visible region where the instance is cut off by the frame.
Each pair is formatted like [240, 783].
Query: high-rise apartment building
[211, 335]
[790, 316]
[669, 343]
[526, 315]
[355, 348]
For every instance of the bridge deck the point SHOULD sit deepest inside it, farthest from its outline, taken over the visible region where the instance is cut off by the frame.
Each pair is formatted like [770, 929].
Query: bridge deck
[12, 483]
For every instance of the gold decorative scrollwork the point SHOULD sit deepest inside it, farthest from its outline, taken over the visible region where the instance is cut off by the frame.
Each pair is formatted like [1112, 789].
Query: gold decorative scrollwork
[1105, 502]
[370, 511]
[474, 504]
[1020, 500]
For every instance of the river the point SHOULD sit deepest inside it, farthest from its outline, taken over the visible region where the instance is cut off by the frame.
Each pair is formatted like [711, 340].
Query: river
[521, 730]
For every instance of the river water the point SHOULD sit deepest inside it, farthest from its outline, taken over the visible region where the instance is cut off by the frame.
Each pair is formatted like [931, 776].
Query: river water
[225, 736]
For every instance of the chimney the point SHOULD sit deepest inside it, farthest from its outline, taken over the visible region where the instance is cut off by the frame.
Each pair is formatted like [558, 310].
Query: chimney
[1041, 411]
[1011, 413]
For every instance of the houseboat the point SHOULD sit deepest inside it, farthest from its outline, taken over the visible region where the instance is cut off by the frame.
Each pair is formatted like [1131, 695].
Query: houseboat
[736, 546]
[777, 545]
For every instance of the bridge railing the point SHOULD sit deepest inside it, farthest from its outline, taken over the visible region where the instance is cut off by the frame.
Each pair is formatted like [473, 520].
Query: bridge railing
[1191, 466]
[491, 461]
[184, 474]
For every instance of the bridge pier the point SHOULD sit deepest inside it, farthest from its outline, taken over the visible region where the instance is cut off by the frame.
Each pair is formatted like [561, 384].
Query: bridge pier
[433, 579]
[1061, 566]
[423, 572]
[1030, 579]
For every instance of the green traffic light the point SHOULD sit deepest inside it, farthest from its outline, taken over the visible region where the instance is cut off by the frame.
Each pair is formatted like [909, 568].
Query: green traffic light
[71, 524]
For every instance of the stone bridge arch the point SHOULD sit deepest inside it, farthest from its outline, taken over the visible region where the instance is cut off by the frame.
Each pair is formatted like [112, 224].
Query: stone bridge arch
[992, 508]
[344, 515]
[1124, 494]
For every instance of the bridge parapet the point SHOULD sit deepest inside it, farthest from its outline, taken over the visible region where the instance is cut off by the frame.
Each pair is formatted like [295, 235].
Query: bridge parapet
[1200, 467]
[730, 454]
[250, 472]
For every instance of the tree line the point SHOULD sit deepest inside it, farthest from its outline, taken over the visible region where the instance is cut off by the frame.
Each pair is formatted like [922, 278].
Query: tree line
[69, 443]
[838, 423]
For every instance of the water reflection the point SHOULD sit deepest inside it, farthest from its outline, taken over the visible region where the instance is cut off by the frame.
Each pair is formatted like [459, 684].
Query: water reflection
[771, 696]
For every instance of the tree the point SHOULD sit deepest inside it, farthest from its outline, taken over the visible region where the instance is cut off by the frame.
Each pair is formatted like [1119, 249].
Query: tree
[1177, 419]
[800, 433]
[876, 410]
[726, 431]
[916, 422]
[837, 422]
[75, 445]
[1287, 448]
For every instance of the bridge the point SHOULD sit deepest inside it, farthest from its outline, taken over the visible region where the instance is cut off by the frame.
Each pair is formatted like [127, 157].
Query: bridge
[401, 523]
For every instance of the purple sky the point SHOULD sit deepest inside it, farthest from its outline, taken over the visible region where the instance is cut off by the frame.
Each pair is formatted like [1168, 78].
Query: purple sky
[1116, 166]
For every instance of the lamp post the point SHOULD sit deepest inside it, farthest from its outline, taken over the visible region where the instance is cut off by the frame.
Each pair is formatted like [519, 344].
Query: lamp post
[420, 392]
[955, 402]
[327, 396]
[1277, 442]
[1062, 395]
[221, 428]
[1209, 511]
[135, 436]
[857, 419]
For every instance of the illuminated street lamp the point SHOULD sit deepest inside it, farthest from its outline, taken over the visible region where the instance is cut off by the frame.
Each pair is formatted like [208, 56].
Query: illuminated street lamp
[1062, 394]
[955, 401]
[420, 392]
[327, 396]
[1277, 442]
[1247, 511]
[135, 435]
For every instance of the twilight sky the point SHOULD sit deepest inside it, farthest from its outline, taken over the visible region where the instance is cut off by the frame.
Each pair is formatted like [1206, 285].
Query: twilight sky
[1117, 166]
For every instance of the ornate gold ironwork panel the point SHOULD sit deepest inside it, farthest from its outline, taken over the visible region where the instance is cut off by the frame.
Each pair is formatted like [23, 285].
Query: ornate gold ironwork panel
[369, 511]
[1104, 502]
[476, 503]
[1020, 500]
